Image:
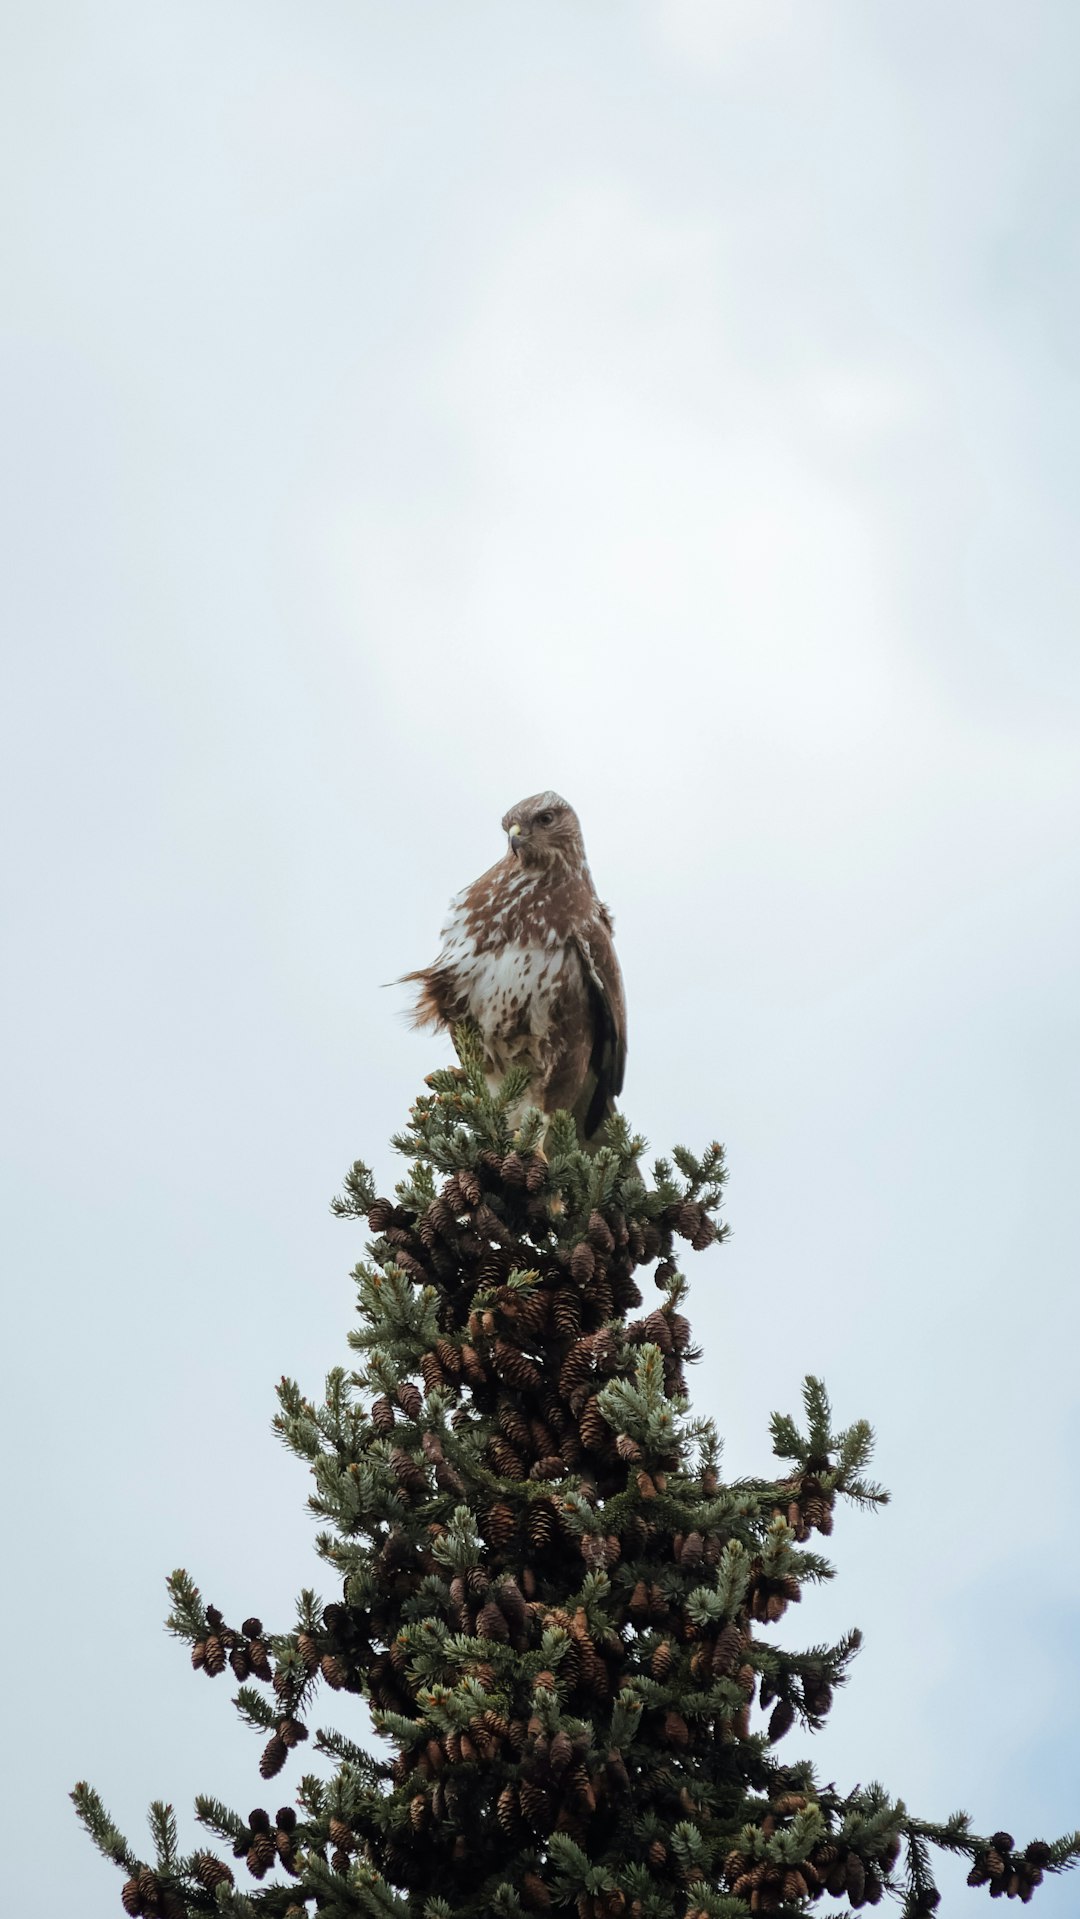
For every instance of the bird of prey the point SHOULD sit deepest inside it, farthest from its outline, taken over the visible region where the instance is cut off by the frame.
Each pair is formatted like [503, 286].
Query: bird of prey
[528, 956]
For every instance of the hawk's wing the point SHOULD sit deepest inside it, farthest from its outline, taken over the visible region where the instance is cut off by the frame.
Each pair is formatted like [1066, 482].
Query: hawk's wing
[607, 1063]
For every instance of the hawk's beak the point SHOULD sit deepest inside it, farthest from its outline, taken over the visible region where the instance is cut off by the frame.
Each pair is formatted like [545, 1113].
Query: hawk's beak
[514, 837]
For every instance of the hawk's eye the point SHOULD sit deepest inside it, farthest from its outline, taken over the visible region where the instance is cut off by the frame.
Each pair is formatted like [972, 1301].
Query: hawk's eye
[544, 819]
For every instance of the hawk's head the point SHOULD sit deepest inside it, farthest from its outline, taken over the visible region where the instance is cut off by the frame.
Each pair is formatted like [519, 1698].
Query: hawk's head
[543, 830]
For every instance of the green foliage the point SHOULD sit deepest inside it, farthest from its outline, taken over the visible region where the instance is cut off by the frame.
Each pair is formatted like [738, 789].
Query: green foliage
[566, 1630]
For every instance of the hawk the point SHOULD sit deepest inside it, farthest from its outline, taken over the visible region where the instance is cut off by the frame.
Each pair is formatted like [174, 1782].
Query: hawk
[528, 956]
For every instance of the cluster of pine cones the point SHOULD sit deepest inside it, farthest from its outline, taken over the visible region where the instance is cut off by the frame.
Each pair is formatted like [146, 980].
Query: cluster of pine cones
[1010, 1875]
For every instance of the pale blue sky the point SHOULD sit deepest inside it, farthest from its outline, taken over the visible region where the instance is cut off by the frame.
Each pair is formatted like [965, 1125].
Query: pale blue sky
[409, 407]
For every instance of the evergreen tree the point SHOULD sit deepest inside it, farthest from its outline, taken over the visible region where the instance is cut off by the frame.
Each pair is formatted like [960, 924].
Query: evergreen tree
[558, 1613]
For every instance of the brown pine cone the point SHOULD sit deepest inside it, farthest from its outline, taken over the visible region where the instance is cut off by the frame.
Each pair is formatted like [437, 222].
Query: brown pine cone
[260, 1660]
[856, 1879]
[566, 1312]
[593, 1428]
[308, 1651]
[510, 1598]
[535, 1802]
[409, 1399]
[213, 1656]
[541, 1525]
[274, 1755]
[582, 1262]
[660, 1663]
[210, 1871]
[449, 1358]
[261, 1855]
[498, 1524]
[781, 1720]
[534, 1892]
[504, 1460]
[131, 1898]
[512, 1365]
[334, 1671]
[728, 1650]
[432, 1373]
[382, 1414]
[491, 1622]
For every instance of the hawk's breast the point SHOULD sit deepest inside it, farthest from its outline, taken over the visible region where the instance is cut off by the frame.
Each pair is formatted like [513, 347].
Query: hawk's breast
[509, 985]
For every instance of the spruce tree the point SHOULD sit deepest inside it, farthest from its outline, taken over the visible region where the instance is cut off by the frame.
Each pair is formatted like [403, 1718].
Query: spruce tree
[561, 1618]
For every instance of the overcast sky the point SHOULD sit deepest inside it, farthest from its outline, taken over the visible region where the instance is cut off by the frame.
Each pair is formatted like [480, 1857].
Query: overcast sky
[412, 406]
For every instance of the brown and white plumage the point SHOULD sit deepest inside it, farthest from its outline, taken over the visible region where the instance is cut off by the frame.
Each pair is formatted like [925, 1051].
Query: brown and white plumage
[528, 955]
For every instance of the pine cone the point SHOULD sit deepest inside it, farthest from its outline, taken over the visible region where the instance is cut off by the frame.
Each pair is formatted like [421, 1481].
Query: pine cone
[511, 1599]
[856, 1879]
[213, 1656]
[727, 1651]
[131, 1898]
[334, 1671]
[274, 1755]
[210, 1871]
[534, 1892]
[781, 1720]
[534, 1314]
[240, 1662]
[449, 1358]
[498, 1524]
[541, 1525]
[491, 1624]
[660, 1663]
[260, 1660]
[512, 1365]
[600, 1234]
[432, 1373]
[504, 1460]
[308, 1651]
[593, 1428]
[566, 1312]
[582, 1262]
[411, 1475]
[261, 1855]
[687, 1218]
[409, 1399]
[535, 1802]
